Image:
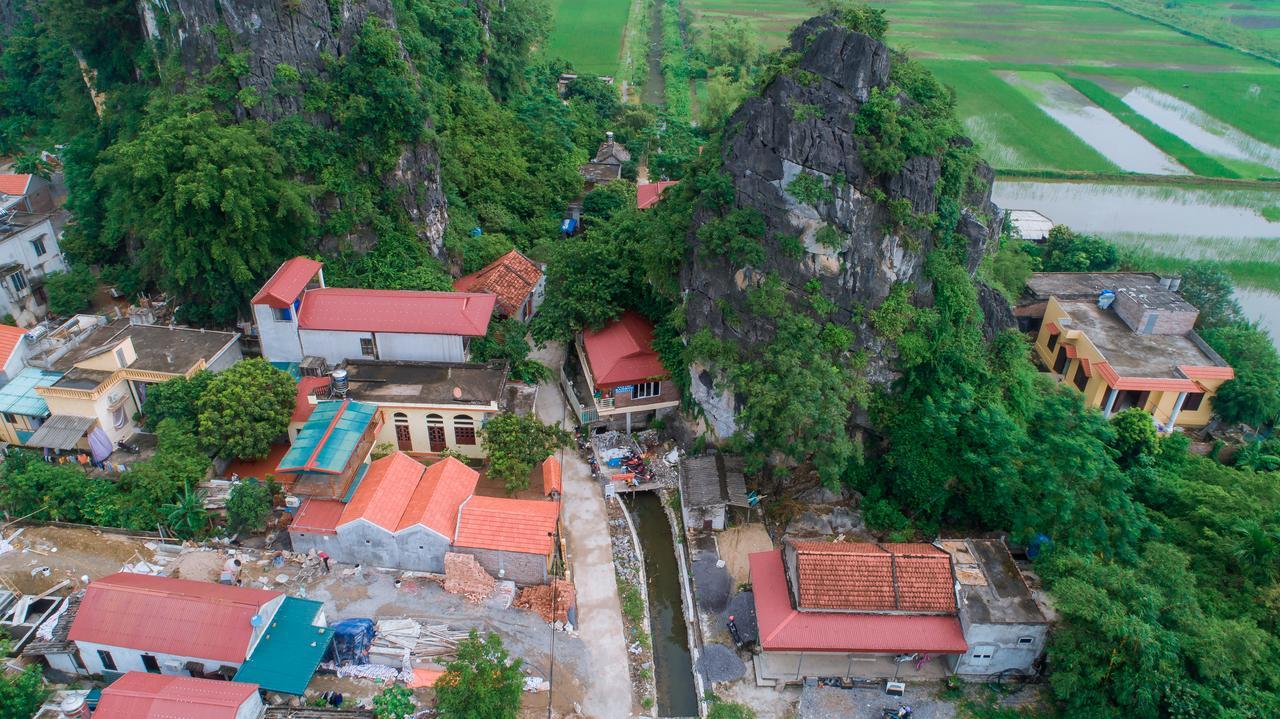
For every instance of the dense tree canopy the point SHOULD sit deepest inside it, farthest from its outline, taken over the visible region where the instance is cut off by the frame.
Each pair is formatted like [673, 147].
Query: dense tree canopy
[516, 444]
[482, 682]
[244, 409]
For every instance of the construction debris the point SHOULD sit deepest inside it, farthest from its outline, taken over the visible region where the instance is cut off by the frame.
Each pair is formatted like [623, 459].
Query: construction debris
[539, 600]
[399, 642]
[464, 575]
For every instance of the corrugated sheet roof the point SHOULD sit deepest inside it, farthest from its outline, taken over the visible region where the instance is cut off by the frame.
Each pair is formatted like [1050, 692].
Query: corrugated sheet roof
[163, 615]
[287, 283]
[552, 476]
[139, 695]
[290, 650]
[60, 431]
[19, 395]
[12, 184]
[512, 525]
[713, 479]
[783, 628]
[510, 278]
[874, 577]
[318, 516]
[622, 352]
[331, 434]
[405, 311]
[398, 492]
[648, 194]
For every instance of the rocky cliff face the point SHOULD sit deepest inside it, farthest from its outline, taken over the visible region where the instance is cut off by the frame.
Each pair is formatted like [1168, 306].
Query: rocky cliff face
[300, 34]
[802, 123]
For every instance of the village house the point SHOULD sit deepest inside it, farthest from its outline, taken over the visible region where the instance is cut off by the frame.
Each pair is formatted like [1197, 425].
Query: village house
[22, 409]
[855, 610]
[606, 166]
[405, 515]
[402, 515]
[709, 485]
[517, 283]
[103, 375]
[179, 627]
[1129, 346]
[423, 408]
[330, 453]
[648, 193]
[1029, 225]
[619, 381]
[1005, 625]
[140, 695]
[30, 194]
[297, 317]
[29, 251]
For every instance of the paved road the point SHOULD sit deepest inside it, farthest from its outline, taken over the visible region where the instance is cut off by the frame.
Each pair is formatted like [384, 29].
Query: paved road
[608, 690]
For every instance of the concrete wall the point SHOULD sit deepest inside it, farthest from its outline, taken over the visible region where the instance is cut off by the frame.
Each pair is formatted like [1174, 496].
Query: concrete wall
[420, 348]
[130, 660]
[101, 409]
[519, 567]
[696, 517]
[415, 548]
[306, 541]
[417, 423]
[23, 304]
[1001, 642]
[229, 356]
[280, 341]
[64, 664]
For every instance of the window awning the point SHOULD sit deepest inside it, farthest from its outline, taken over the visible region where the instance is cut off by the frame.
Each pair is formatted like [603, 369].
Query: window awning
[61, 431]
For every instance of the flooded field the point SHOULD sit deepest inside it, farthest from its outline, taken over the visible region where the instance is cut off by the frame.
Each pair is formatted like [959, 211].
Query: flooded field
[1205, 133]
[1262, 306]
[1097, 127]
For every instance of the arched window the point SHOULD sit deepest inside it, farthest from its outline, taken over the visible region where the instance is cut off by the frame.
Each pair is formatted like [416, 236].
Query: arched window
[404, 439]
[435, 433]
[464, 429]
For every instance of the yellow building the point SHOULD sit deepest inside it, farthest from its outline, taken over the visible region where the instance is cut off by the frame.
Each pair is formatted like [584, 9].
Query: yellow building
[106, 373]
[1133, 348]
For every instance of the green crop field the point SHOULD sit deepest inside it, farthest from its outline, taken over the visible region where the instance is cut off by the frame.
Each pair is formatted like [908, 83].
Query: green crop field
[588, 33]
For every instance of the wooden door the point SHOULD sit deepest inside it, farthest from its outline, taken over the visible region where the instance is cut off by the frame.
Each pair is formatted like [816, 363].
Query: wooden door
[435, 436]
[404, 442]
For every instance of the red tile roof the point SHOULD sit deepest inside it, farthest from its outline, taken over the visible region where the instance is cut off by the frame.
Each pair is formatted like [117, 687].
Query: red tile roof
[9, 339]
[162, 615]
[551, 476]
[139, 695]
[511, 278]
[1149, 384]
[317, 516]
[874, 577]
[647, 195]
[288, 282]
[302, 405]
[1203, 372]
[622, 352]
[406, 311]
[784, 629]
[398, 492]
[511, 525]
[11, 184]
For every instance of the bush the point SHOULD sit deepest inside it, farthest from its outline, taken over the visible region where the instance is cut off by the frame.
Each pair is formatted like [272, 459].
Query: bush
[249, 505]
[516, 443]
[70, 292]
[1253, 397]
[482, 683]
[244, 409]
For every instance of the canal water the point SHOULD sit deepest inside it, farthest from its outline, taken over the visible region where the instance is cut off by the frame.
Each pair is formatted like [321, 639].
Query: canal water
[653, 91]
[673, 665]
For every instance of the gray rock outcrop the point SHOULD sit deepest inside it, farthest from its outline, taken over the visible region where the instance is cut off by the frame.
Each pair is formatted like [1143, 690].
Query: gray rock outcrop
[802, 122]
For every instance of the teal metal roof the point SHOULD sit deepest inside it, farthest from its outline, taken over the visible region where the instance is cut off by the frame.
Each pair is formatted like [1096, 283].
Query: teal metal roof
[19, 396]
[328, 438]
[290, 649]
[361, 471]
[292, 368]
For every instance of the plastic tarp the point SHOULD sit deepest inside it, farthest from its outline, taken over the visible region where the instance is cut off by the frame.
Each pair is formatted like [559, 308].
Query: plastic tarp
[99, 444]
[351, 640]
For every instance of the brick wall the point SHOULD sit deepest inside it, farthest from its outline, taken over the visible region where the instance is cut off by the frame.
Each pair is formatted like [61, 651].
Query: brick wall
[667, 392]
[518, 567]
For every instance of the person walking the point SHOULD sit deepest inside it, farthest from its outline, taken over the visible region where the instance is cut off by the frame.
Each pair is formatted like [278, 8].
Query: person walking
[324, 559]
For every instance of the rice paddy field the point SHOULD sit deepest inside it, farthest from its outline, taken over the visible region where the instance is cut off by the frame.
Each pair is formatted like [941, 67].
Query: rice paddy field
[588, 33]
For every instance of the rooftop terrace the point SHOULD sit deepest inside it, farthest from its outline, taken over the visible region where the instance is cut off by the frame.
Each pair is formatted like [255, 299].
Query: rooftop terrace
[426, 382]
[1132, 354]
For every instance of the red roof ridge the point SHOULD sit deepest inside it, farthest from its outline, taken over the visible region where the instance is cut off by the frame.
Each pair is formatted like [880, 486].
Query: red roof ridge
[10, 337]
[399, 492]
[622, 353]
[287, 283]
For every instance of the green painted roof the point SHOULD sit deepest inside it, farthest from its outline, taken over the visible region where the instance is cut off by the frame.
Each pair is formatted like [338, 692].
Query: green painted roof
[328, 438]
[290, 649]
[19, 396]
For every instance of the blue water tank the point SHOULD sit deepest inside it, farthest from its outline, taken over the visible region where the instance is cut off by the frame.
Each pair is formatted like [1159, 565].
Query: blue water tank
[1105, 298]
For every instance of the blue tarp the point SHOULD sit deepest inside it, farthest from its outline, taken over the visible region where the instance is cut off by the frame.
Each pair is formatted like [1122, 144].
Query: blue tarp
[351, 639]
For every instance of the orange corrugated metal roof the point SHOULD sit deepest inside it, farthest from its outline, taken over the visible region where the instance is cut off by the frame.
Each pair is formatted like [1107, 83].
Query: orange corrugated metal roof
[648, 194]
[288, 282]
[622, 352]
[398, 492]
[139, 695]
[318, 516]
[874, 577]
[163, 615]
[510, 278]
[404, 311]
[512, 525]
[9, 339]
[551, 476]
[11, 184]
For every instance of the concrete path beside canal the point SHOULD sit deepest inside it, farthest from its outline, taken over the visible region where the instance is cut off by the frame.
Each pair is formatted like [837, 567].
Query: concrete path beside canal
[608, 691]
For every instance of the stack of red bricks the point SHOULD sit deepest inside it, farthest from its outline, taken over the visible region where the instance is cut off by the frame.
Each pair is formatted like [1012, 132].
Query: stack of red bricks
[464, 575]
[539, 600]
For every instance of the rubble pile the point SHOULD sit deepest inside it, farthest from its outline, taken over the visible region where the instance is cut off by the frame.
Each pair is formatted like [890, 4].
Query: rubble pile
[464, 575]
[539, 600]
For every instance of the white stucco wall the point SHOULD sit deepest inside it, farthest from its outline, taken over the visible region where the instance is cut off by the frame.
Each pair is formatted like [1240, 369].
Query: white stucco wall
[280, 341]
[1002, 642]
[420, 347]
[18, 248]
[130, 660]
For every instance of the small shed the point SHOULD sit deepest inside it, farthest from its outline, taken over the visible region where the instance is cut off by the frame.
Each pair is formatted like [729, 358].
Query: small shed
[708, 486]
[1030, 225]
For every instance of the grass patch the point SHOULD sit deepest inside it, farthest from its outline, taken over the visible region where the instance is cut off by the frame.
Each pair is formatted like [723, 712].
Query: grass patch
[588, 33]
[1167, 142]
[632, 603]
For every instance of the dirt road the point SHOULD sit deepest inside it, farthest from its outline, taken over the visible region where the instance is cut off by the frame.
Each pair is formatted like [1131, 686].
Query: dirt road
[608, 695]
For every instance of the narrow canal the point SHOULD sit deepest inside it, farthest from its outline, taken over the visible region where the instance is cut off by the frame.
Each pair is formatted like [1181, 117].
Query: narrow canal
[652, 93]
[673, 665]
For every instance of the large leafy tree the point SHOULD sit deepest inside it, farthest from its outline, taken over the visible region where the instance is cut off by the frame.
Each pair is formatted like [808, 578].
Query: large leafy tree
[516, 443]
[175, 398]
[1253, 397]
[209, 204]
[21, 693]
[482, 683]
[249, 505]
[244, 409]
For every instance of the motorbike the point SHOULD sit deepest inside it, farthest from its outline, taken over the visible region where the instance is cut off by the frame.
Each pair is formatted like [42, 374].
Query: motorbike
[901, 712]
[127, 447]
